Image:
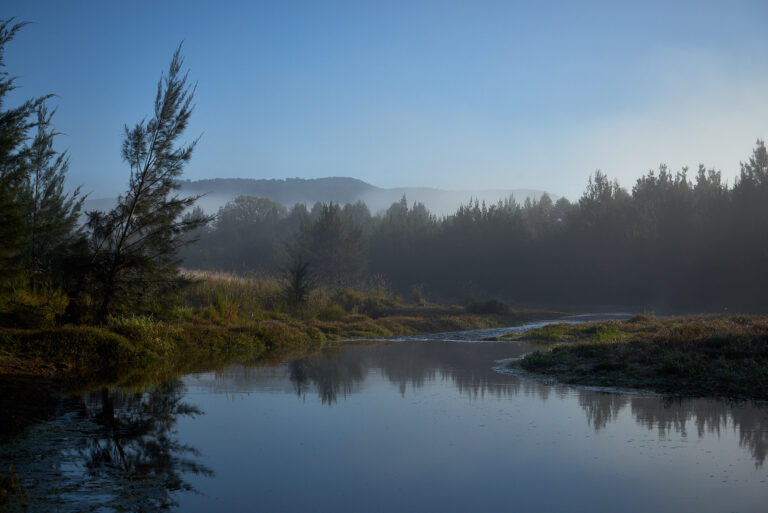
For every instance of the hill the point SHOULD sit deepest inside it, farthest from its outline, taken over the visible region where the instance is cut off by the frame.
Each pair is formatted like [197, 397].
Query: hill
[218, 191]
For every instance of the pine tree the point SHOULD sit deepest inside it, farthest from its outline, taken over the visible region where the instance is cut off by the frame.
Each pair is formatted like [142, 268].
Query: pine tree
[134, 262]
[52, 215]
[15, 124]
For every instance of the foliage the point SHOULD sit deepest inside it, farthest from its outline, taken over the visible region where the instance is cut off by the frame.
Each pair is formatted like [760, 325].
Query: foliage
[15, 124]
[38, 219]
[225, 298]
[52, 215]
[333, 246]
[33, 307]
[134, 247]
[417, 294]
[677, 240]
[298, 283]
[490, 306]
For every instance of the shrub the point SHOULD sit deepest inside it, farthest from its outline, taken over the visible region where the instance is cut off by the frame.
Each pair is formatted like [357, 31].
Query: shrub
[417, 294]
[350, 300]
[36, 308]
[491, 306]
[332, 312]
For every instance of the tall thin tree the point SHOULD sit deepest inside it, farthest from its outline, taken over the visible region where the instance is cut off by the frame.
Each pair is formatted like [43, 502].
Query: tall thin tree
[15, 124]
[134, 246]
[52, 214]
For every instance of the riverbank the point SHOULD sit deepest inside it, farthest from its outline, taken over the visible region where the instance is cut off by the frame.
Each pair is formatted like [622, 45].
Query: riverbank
[699, 356]
[219, 318]
[39, 366]
[135, 343]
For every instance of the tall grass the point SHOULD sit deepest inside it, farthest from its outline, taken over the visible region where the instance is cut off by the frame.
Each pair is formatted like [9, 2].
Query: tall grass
[227, 298]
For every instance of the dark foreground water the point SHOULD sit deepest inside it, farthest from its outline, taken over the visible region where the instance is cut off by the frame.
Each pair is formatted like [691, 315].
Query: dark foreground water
[405, 426]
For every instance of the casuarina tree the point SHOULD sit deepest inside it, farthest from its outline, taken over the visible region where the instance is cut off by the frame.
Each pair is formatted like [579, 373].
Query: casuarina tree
[52, 214]
[15, 124]
[133, 247]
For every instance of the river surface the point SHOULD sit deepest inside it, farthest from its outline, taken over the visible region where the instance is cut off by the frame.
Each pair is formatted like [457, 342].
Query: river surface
[418, 424]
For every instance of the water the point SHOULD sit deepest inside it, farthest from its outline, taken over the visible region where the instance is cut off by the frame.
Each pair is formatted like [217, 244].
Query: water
[415, 425]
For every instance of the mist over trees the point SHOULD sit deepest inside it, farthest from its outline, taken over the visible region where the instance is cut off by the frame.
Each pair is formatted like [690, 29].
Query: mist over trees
[672, 242]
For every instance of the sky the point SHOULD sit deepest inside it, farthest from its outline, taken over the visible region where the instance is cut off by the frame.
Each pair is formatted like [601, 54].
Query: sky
[454, 95]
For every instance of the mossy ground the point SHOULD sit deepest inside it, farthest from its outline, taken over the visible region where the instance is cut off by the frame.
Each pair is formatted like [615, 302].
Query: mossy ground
[703, 356]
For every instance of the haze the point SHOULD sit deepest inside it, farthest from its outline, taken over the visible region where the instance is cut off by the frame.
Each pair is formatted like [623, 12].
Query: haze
[456, 95]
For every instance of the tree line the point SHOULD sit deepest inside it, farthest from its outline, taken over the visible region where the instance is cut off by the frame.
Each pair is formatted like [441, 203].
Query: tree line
[675, 241]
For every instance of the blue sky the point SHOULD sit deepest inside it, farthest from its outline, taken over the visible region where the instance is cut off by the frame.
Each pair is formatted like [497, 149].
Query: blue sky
[458, 95]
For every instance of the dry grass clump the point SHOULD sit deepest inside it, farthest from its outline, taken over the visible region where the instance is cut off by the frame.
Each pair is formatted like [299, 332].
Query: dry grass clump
[227, 298]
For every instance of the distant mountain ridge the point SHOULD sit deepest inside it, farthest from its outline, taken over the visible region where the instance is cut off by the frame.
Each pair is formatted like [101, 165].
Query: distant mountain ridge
[289, 191]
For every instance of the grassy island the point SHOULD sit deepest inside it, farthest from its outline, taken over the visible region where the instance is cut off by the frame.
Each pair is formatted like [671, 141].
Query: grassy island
[701, 356]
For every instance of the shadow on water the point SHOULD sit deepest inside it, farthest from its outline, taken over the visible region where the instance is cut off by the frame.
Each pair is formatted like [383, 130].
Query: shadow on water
[108, 450]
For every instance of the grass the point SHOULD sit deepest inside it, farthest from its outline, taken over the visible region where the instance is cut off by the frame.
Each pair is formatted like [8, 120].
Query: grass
[702, 356]
[221, 318]
[603, 332]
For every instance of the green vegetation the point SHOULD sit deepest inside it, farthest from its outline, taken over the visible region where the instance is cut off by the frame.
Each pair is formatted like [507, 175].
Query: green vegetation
[490, 306]
[120, 262]
[603, 332]
[714, 356]
[222, 318]
[132, 261]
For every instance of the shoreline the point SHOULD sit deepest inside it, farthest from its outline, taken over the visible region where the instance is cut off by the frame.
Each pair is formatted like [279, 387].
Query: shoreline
[135, 344]
[705, 356]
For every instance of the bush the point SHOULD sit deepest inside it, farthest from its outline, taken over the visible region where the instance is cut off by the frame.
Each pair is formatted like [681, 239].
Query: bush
[38, 308]
[350, 300]
[332, 312]
[417, 294]
[491, 306]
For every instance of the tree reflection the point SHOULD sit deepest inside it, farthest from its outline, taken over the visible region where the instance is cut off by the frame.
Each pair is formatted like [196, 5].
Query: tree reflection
[134, 449]
[330, 372]
[336, 373]
[469, 367]
[669, 415]
[111, 450]
[601, 408]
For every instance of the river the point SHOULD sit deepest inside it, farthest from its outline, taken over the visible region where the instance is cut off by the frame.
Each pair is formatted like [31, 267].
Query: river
[419, 424]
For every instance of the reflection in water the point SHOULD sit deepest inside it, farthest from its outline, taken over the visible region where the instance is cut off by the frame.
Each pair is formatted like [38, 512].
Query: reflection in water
[469, 366]
[113, 449]
[601, 408]
[331, 372]
[136, 445]
[117, 450]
